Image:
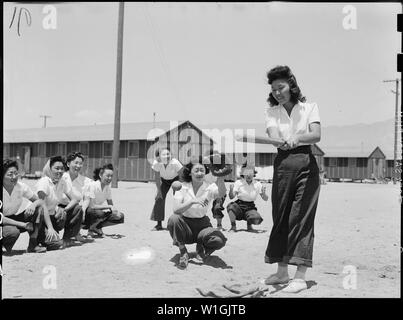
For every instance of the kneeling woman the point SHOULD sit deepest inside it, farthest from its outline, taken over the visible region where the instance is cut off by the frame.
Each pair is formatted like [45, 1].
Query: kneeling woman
[189, 223]
[246, 189]
[15, 222]
[51, 188]
[98, 201]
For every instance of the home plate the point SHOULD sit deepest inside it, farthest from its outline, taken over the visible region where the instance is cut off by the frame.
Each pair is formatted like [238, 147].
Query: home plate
[139, 256]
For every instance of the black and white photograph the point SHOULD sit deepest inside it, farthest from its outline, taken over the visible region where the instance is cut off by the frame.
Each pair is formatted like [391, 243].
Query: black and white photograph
[201, 150]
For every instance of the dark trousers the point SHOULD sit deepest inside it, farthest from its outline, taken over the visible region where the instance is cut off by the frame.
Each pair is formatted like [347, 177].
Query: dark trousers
[245, 210]
[158, 213]
[218, 207]
[71, 223]
[12, 233]
[184, 230]
[105, 218]
[295, 195]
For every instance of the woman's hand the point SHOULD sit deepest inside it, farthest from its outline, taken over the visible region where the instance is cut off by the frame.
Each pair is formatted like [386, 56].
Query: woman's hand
[239, 137]
[293, 141]
[201, 201]
[51, 234]
[30, 210]
[159, 195]
[284, 146]
[29, 226]
[59, 212]
[263, 193]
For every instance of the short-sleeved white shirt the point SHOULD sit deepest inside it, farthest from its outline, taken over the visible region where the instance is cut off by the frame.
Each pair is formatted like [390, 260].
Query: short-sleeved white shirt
[297, 122]
[78, 186]
[12, 202]
[95, 192]
[170, 171]
[54, 192]
[186, 193]
[247, 192]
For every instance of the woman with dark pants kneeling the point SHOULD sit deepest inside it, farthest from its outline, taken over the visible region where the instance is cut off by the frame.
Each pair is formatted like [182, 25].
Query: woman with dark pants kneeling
[246, 189]
[15, 222]
[189, 223]
[100, 211]
[78, 183]
[51, 188]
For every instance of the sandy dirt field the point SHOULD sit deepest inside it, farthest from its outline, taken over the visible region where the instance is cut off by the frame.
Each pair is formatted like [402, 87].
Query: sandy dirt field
[357, 227]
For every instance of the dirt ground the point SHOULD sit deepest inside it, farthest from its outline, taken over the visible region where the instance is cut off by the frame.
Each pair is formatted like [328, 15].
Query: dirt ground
[357, 229]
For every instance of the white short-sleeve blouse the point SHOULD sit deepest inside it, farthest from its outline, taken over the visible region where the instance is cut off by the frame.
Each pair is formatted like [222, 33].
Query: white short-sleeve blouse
[297, 122]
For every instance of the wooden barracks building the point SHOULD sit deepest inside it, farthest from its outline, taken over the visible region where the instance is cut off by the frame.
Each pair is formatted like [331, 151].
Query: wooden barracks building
[353, 164]
[35, 146]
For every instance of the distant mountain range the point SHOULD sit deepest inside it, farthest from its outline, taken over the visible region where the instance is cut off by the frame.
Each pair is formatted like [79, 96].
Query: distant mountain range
[363, 136]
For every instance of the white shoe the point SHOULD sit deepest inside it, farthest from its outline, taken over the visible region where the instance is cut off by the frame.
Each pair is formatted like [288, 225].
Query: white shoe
[295, 286]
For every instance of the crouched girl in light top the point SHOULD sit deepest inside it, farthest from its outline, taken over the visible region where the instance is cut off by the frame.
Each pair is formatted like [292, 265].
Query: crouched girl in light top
[15, 220]
[51, 188]
[189, 223]
[78, 184]
[100, 211]
[247, 190]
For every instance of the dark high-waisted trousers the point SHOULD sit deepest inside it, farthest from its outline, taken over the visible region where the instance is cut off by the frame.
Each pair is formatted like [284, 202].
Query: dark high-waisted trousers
[184, 230]
[295, 195]
[158, 213]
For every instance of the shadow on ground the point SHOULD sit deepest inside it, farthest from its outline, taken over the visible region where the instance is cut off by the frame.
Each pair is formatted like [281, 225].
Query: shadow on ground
[212, 261]
[13, 253]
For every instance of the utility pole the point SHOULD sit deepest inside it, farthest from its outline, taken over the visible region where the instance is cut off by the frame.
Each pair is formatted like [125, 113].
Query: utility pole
[44, 116]
[154, 120]
[396, 126]
[118, 97]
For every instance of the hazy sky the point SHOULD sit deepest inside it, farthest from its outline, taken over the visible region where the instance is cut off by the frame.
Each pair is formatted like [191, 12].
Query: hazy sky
[203, 62]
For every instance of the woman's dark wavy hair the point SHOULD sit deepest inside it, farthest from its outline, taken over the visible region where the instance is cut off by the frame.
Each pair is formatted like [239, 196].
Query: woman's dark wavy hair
[246, 166]
[284, 72]
[71, 156]
[54, 159]
[7, 164]
[159, 150]
[100, 170]
[185, 175]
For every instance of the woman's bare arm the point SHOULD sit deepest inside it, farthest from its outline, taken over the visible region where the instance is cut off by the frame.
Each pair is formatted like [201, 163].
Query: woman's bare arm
[272, 138]
[311, 137]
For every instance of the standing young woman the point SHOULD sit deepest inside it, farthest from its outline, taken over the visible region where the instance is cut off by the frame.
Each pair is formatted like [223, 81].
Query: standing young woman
[51, 188]
[189, 223]
[15, 222]
[100, 210]
[78, 183]
[293, 125]
[167, 170]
